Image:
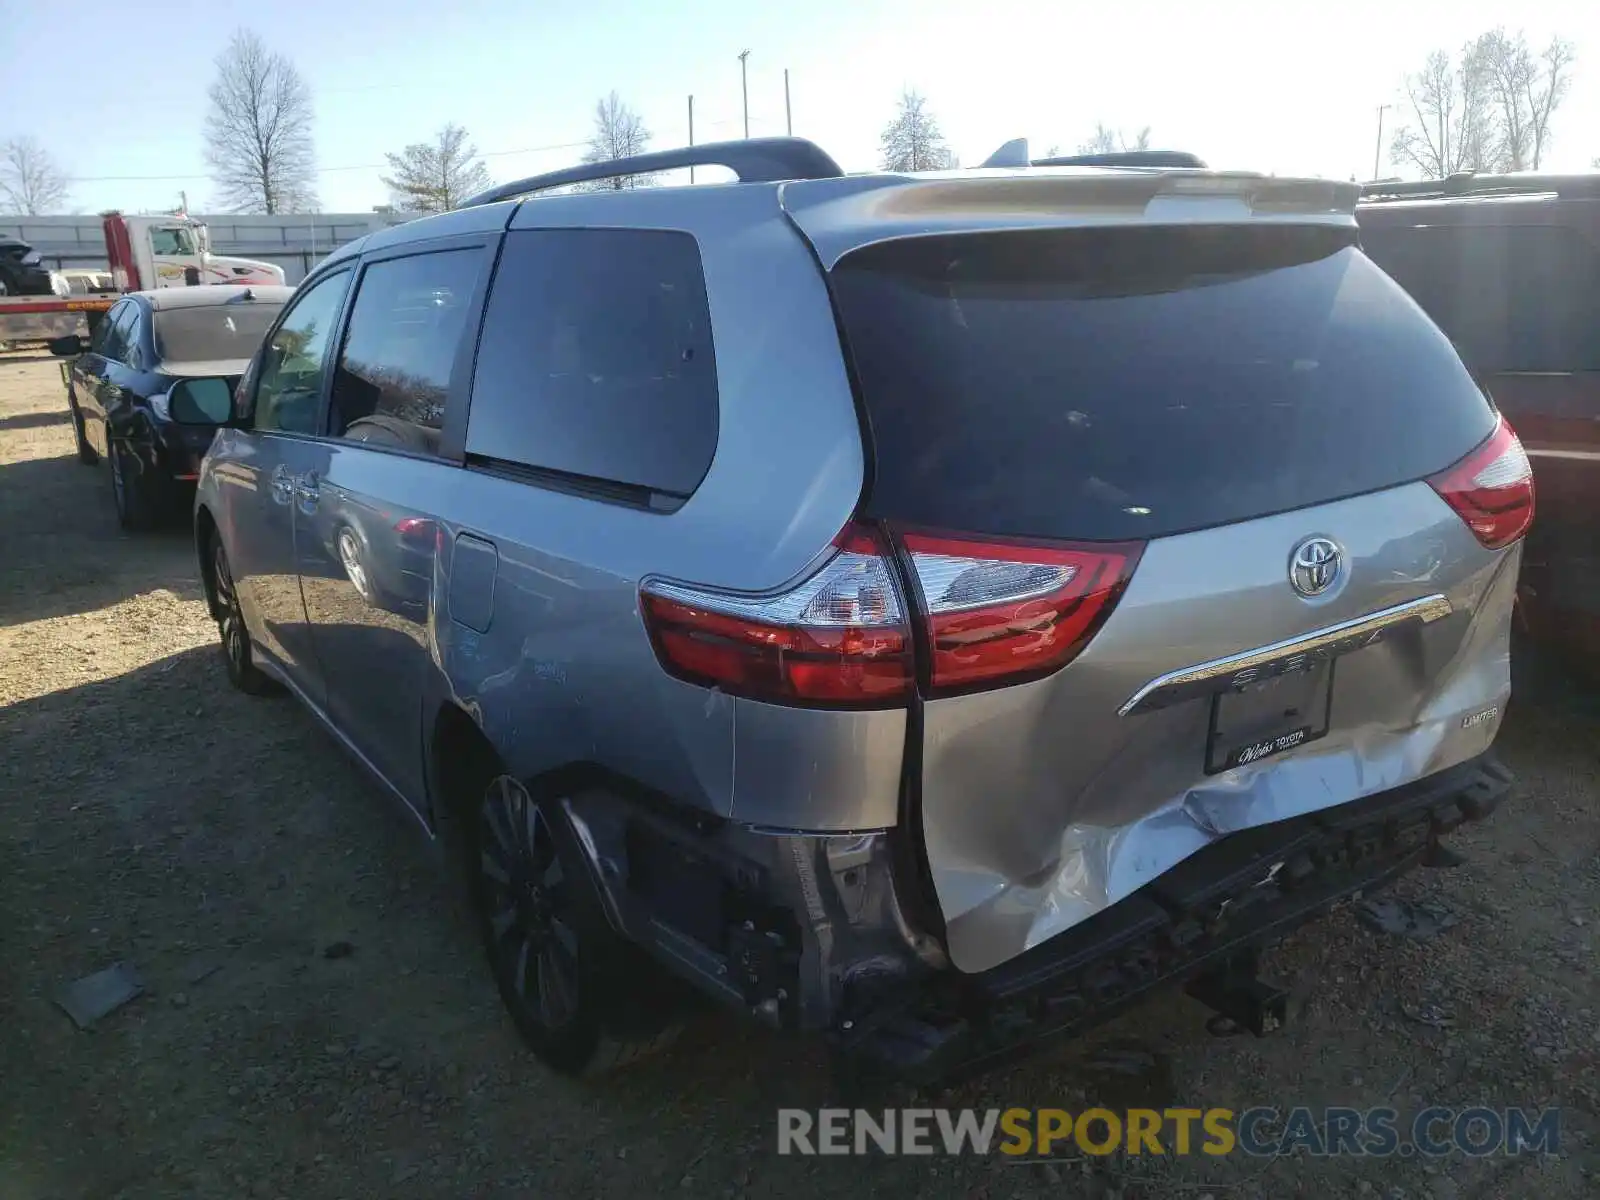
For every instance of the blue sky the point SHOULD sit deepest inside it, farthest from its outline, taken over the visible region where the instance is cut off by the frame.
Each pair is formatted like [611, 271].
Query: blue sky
[1286, 86]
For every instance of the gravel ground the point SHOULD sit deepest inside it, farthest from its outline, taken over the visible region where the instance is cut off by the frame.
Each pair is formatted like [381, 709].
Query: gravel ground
[220, 844]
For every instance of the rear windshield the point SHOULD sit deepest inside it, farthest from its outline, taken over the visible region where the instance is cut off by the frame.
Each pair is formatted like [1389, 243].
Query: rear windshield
[1110, 384]
[212, 331]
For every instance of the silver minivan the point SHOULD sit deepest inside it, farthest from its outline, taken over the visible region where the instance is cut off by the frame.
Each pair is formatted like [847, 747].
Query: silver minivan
[927, 609]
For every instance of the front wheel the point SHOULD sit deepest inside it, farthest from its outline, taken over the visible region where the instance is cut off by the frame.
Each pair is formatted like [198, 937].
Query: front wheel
[242, 670]
[570, 983]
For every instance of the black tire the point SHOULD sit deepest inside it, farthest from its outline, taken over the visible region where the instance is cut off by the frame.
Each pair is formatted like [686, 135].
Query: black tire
[131, 491]
[234, 633]
[575, 989]
[87, 454]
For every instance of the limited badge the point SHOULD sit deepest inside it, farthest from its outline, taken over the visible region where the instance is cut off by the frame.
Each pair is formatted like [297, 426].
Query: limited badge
[1478, 718]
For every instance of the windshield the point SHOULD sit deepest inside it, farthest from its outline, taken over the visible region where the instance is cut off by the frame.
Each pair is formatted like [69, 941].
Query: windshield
[212, 332]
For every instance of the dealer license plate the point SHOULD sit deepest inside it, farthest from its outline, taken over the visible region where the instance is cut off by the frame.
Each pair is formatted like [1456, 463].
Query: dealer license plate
[1270, 717]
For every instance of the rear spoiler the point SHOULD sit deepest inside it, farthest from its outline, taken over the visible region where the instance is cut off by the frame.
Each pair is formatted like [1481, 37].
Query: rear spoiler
[841, 215]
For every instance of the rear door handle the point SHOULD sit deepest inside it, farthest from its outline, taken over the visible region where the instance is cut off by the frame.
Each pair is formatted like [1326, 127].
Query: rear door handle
[308, 490]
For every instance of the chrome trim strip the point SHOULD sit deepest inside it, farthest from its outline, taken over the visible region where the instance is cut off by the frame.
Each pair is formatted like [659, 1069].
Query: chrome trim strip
[1329, 642]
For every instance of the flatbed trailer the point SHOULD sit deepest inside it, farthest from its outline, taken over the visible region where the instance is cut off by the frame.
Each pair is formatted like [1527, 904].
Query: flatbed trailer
[32, 320]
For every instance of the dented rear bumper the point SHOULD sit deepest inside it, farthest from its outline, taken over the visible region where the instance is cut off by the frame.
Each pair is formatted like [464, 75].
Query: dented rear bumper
[821, 932]
[1230, 900]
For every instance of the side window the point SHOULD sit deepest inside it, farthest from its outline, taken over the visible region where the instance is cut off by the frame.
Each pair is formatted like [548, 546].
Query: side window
[596, 360]
[289, 380]
[133, 338]
[102, 333]
[1512, 298]
[172, 240]
[393, 376]
[116, 343]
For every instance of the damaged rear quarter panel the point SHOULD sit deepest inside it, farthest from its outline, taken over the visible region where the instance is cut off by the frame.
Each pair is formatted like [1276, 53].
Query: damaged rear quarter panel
[1041, 805]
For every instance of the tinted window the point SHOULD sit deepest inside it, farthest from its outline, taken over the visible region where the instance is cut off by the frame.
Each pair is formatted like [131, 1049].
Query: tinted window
[115, 345]
[394, 374]
[1514, 298]
[596, 360]
[291, 372]
[212, 332]
[104, 331]
[132, 334]
[1111, 384]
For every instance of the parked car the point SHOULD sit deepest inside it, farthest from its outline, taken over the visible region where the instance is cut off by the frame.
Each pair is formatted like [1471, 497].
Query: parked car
[1509, 266]
[22, 273]
[121, 381]
[928, 609]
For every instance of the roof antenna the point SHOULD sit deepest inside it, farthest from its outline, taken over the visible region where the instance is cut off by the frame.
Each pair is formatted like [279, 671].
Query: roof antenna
[1013, 154]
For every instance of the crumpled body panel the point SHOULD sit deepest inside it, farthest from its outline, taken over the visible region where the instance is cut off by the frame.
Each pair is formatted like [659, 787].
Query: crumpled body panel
[1042, 805]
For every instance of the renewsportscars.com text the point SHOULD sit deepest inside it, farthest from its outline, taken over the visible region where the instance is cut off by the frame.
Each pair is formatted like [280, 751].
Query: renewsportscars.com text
[1039, 1132]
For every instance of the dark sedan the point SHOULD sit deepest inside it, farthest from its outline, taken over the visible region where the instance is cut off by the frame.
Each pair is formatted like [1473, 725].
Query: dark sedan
[120, 386]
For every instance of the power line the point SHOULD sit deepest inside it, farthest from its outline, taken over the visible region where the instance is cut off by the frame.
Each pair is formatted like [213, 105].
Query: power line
[376, 166]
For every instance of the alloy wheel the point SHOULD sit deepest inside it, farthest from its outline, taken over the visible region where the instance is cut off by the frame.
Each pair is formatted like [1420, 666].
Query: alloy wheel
[528, 904]
[234, 643]
[350, 559]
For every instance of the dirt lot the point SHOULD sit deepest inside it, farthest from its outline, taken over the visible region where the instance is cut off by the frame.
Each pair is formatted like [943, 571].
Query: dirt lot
[220, 844]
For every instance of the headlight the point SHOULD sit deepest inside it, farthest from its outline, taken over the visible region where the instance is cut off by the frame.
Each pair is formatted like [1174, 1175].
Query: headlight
[158, 405]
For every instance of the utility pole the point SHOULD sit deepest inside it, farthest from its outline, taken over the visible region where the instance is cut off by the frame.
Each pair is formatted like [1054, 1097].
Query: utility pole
[788, 115]
[1378, 153]
[691, 134]
[744, 84]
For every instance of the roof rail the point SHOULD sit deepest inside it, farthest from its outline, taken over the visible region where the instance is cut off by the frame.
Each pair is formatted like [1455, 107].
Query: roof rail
[1469, 183]
[1125, 158]
[753, 160]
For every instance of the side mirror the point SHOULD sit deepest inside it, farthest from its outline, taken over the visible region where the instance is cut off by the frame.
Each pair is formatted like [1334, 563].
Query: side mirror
[68, 346]
[200, 402]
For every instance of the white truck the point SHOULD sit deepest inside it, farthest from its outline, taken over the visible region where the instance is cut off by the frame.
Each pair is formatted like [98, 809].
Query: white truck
[144, 252]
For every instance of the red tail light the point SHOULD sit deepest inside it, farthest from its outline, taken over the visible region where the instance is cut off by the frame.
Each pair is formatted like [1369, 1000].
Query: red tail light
[1000, 612]
[1492, 488]
[838, 639]
[990, 612]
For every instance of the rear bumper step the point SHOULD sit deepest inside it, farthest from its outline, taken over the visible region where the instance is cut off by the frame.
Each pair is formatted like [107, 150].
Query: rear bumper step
[1203, 921]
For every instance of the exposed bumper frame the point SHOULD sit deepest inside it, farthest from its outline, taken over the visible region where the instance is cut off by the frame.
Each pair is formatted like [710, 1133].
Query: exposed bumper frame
[1245, 892]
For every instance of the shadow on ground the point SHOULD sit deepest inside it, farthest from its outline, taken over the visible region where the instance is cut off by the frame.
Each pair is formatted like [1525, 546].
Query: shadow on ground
[64, 552]
[36, 420]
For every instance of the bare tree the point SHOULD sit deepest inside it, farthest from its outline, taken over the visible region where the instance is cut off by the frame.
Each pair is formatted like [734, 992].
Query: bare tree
[31, 181]
[1111, 141]
[619, 132]
[1451, 125]
[912, 141]
[1548, 87]
[434, 177]
[1490, 111]
[258, 132]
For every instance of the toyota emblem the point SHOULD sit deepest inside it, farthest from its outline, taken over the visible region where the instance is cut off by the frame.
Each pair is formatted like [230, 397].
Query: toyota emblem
[1314, 566]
